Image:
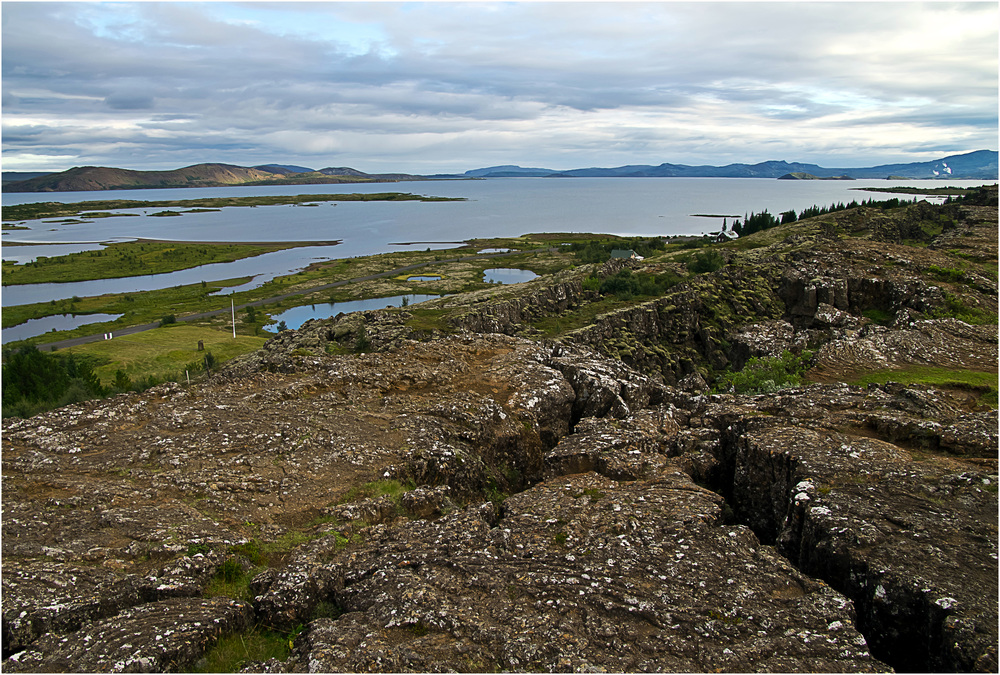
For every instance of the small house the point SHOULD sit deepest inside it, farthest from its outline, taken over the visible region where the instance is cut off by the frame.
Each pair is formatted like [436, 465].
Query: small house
[625, 253]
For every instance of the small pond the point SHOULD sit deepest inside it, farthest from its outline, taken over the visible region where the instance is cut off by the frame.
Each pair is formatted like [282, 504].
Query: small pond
[36, 327]
[424, 278]
[296, 316]
[506, 275]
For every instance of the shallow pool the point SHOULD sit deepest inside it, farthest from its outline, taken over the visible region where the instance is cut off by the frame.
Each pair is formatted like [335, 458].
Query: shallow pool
[507, 275]
[296, 316]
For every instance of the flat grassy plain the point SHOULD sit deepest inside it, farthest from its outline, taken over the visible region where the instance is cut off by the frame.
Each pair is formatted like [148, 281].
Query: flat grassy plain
[164, 353]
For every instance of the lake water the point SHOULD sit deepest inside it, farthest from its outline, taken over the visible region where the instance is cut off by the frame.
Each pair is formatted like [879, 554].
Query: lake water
[273, 264]
[496, 207]
[296, 316]
[507, 275]
[33, 327]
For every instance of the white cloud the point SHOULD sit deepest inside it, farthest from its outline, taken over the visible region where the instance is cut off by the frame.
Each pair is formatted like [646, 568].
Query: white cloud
[433, 86]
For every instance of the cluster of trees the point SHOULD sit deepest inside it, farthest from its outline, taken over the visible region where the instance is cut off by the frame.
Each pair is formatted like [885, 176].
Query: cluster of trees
[598, 252]
[755, 222]
[35, 381]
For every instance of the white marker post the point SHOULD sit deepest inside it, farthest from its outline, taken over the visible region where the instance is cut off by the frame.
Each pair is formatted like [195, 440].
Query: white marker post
[232, 303]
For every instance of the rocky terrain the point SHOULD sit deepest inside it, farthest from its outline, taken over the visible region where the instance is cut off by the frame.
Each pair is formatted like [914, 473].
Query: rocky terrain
[479, 495]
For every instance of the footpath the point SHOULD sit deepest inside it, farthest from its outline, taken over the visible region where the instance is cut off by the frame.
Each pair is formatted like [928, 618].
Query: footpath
[130, 330]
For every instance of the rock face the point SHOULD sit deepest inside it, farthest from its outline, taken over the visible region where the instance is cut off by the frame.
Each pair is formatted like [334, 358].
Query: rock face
[482, 501]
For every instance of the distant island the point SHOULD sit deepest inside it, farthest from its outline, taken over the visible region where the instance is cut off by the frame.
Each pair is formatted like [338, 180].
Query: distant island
[978, 165]
[801, 175]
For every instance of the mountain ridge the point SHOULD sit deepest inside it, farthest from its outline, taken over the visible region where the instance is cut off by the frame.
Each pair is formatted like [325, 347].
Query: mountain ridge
[976, 165]
[972, 165]
[94, 178]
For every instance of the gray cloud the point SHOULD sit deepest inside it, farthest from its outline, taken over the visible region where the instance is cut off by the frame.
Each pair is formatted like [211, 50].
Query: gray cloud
[435, 87]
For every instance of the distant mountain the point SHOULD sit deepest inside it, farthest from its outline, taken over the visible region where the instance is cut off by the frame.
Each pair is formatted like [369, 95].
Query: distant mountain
[15, 176]
[981, 164]
[87, 178]
[978, 165]
[508, 171]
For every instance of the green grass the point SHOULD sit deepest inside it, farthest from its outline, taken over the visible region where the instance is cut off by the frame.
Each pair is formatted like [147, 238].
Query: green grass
[570, 320]
[126, 259]
[164, 351]
[231, 652]
[956, 308]
[984, 383]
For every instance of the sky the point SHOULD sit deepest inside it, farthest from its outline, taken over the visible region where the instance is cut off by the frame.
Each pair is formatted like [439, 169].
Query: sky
[446, 87]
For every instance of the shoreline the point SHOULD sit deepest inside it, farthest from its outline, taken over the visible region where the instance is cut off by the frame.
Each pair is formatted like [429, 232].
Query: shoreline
[146, 240]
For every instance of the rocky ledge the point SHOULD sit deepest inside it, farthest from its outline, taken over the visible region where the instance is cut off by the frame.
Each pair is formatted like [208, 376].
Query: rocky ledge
[482, 501]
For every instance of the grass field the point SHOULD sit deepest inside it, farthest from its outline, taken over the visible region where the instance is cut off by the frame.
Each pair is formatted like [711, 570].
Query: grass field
[164, 352]
[971, 380]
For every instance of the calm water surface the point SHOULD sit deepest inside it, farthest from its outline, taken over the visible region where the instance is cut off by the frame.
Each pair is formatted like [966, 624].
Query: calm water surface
[507, 275]
[33, 327]
[497, 207]
[296, 316]
[275, 264]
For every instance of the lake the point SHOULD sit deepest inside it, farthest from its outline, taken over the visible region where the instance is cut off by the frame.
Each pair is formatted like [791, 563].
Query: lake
[507, 275]
[34, 327]
[496, 207]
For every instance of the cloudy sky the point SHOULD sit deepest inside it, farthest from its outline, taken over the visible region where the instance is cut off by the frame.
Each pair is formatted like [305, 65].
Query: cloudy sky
[446, 87]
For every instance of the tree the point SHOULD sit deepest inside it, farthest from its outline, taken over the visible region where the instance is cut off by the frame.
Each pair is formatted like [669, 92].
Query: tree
[122, 381]
[35, 381]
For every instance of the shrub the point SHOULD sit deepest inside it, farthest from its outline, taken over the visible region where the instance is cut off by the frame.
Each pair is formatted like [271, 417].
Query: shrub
[706, 261]
[767, 374]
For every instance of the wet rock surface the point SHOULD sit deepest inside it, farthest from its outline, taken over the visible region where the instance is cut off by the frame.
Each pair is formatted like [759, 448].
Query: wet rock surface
[481, 501]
